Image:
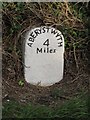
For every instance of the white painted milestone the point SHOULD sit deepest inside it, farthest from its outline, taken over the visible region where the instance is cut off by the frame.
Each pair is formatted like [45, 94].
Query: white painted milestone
[44, 56]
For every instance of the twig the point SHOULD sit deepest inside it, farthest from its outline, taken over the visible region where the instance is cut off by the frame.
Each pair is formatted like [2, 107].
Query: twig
[75, 57]
[75, 79]
[5, 53]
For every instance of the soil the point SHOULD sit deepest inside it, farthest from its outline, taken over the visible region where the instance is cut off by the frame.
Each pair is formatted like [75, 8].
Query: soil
[74, 83]
[76, 62]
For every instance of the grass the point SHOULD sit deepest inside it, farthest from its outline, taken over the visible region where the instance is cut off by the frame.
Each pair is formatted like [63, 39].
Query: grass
[71, 20]
[73, 109]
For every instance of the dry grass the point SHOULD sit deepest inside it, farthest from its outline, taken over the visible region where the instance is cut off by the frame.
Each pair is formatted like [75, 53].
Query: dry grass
[71, 20]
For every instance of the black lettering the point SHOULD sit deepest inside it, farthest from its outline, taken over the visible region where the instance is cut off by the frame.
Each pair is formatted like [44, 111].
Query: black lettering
[51, 50]
[60, 38]
[43, 30]
[60, 44]
[58, 35]
[47, 50]
[30, 44]
[33, 35]
[46, 42]
[39, 50]
[48, 29]
[31, 39]
[54, 50]
[37, 31]
[44, 50]
[53, 31]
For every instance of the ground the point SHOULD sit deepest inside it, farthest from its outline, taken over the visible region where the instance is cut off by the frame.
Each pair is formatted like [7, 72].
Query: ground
[71, 85]
[71, 19]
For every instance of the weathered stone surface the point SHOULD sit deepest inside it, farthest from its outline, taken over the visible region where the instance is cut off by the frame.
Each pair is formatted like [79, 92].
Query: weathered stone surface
[43, 57]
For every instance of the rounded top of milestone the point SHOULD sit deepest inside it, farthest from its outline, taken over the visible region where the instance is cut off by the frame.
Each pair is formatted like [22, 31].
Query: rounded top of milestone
[44, 50]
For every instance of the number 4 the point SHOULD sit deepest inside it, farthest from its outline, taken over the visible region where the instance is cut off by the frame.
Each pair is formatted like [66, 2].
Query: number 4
[46, 42]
